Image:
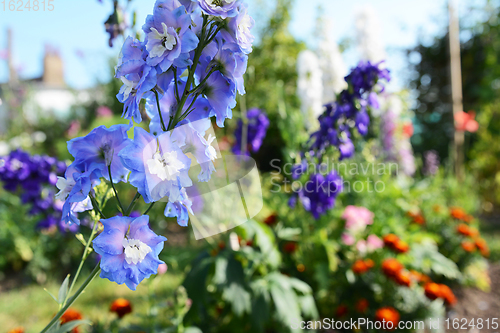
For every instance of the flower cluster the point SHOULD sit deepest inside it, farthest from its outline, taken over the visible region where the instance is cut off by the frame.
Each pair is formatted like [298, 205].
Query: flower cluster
[189, 68]
[256, 132]
[34, 177]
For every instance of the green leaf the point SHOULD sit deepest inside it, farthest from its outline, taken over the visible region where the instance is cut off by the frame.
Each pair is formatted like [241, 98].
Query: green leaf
[72, 324]
[308, 306]
[48, 292]
[192, 329]
[238, 297]
[287, 308]
[300, 285]
[288, 233]
[63, 290]
[220, 276]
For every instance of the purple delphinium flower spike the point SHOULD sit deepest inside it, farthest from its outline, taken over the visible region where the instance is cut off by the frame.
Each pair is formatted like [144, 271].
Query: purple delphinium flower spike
[257, 129]
[129, 250]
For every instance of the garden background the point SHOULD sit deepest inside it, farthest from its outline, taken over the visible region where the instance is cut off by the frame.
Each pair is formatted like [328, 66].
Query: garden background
[414, 234]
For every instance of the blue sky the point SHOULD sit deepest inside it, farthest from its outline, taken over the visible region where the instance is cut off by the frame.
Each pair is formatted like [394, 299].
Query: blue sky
[76, 26]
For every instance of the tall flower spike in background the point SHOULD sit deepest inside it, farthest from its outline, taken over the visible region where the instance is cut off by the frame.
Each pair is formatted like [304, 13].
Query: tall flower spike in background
[368, 35]
[310, 87]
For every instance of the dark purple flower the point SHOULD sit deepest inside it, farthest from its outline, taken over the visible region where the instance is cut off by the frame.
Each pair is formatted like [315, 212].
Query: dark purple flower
[256, 131]
[320, 192]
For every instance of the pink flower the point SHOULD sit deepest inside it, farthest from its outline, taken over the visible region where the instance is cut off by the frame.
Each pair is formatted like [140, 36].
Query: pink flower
[348, 239]
[373, 243]
[357, 218]
[74, 128]
[361, 246]
[162, 268]
[104, 112]
[465, 121]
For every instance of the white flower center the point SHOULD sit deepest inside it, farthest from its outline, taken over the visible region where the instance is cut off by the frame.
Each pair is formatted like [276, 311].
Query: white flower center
[166, 167]
[128, 87]
[135, 250]
[245, 24]
[167, 41]
[65, 186]
[219, 3]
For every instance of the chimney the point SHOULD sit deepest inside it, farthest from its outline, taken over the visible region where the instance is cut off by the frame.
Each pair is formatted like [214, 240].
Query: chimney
[53, 70]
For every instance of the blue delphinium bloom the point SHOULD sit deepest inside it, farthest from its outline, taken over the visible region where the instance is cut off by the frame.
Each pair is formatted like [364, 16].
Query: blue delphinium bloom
[168, 36]
[320, 192]
[158, 165]
[98, 151]
[220, 8]
[138, 78]
[257, 129]
[129, 250]
[180, 208]
[238, 28]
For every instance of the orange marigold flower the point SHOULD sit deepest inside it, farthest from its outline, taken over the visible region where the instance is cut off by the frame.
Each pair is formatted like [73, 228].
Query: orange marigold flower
[419, 219]
[432, 290]
[481, 244]
[271, 219]
[17, 330]
[468, 218]
[391, 267]
[403, 278]
[401, 246]
[419, 277]
[341, 310]
[369, 263]
[290, 247]
[359, 267]
[447, 295]
[121, 307]
[457, 213]
[389, 314]
[362, 305]
[390, 240]
[71, 315]
[468, 246]
[464, 229]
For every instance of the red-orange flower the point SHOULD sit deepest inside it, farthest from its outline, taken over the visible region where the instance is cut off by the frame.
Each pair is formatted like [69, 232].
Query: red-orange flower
[121, 307]
[408, 129]
[362, 305]
[432, 290]
[419, 277]
[403, 278]
[464, 229]
[290, 247]
[466, 122]
[457, 213]
[341, 310]
[447, 295]
[468, 246]
[390, 240]
[401, 246]
[391, 267]
[361, 266]
[417, 217]
[482, 246]
[389, 314]
[271, 219]
[17, 330]
[71, 315]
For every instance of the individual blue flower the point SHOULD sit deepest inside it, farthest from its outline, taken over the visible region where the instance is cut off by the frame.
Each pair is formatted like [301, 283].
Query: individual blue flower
[138, 78]
[256, 131]
[220, 8]
[159, 167]
[346, 149]
[362, 122]
[99, 150]
[239, 26]
[180, 209]
[168, 36]
[221, 94]
[129, 250]
[320, 192]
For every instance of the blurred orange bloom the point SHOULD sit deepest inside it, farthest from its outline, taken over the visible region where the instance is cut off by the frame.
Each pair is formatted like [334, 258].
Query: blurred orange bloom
[466, 122]
[482, 246]
[121, 307]
[408, 129]
[71, 315]
[418, 218]
[290, 247]
[432, 290]
[271, 219]
[401, 246]
[361, 266]
[468, 246]
[457, 213]
[447, 295]
[464, 229]
[341, 311]
[390, 240]
[362, 305]
[419, 277]
[403, 278]
[391, 267]
[17, 330]
[389, 314]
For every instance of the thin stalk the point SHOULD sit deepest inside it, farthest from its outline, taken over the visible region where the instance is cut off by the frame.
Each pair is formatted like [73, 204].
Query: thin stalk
[149, 208]
[70, 302]
[96, 205]
[244, 128]
[159, 111]
[132, 204]
[176, 87]
[214, 68]
[84, 257]
[114, 189]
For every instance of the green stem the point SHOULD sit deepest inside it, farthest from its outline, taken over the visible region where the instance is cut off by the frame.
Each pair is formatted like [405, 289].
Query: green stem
[159, 110]
[214, 68]
[114, 189]
[149, 208]
[132, 204]
[70, 302]
[84, 257]
[96, 205]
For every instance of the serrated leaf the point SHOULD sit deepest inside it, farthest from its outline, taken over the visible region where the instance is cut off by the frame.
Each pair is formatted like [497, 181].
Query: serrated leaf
[63, 290]
[238, 297]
